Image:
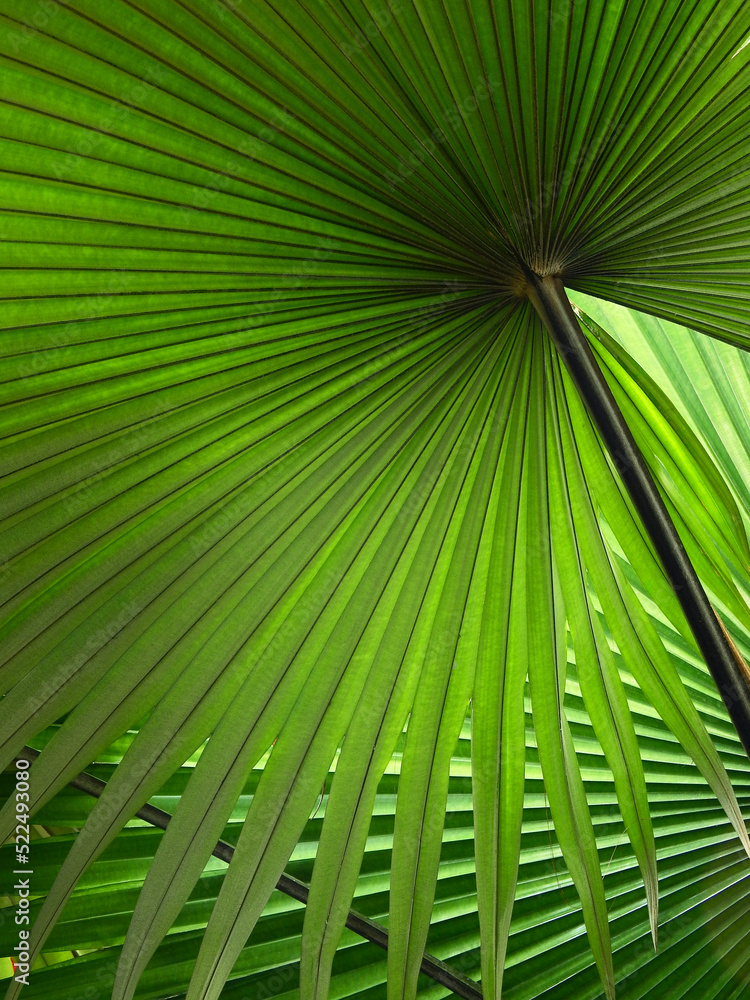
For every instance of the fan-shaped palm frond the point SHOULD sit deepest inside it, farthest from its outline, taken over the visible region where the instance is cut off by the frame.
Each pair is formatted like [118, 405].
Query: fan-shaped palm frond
[298, 487]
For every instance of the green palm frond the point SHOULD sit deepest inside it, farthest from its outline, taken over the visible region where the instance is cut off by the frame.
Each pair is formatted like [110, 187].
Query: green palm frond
[297, 490]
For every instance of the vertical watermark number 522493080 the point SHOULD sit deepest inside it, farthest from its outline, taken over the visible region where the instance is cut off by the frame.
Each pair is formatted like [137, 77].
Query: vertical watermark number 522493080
[23, 872]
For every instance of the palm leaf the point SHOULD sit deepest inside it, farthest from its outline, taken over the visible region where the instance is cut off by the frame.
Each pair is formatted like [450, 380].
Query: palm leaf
[292, 465]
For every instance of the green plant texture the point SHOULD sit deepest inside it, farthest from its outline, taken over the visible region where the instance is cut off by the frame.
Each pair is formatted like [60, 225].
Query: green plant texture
[309, 539]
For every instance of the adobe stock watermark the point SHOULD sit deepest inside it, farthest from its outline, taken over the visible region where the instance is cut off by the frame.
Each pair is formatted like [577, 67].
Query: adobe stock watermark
[562, 11]
[453, 116]
[272, 985]
[225, 8]
[91, 307]
[32, 24]
[552, 190]
[22, 883]
[100, 130]
[250, 148]
[377, 24]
